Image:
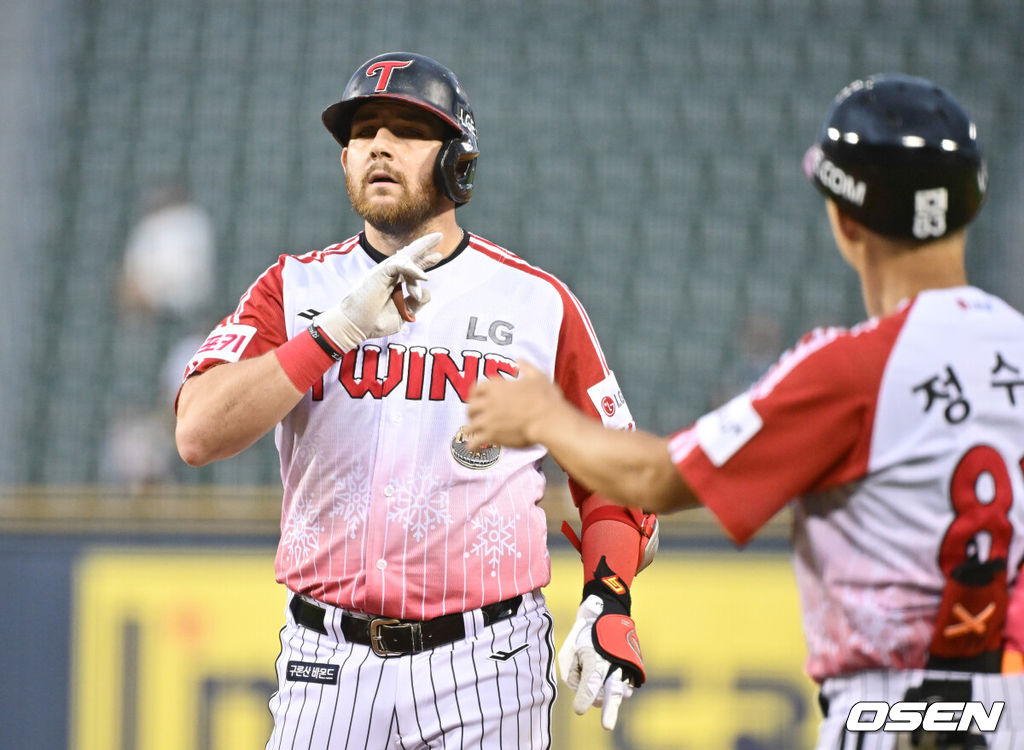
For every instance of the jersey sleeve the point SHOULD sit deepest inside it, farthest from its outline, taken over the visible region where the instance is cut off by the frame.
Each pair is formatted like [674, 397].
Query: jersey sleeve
[805, 427]
[581, 371]
[255, 327]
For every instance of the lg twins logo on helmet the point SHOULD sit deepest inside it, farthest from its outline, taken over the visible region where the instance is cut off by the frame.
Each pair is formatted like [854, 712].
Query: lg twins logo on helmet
[465, 118]
[385, 68]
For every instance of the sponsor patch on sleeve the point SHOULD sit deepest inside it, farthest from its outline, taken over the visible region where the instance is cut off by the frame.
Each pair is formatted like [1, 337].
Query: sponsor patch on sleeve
[226, 343]
[610, 404]
[727, 429]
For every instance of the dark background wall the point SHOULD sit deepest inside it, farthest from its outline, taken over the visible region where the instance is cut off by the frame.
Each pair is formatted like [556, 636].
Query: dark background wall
[648, 153]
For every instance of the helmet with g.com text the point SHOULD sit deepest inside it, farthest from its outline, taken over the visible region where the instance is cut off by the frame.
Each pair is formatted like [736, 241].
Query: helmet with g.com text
[901, 156]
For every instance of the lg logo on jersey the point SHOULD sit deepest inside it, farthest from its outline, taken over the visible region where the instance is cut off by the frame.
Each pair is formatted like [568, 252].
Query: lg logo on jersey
[500, 332]
[611, 404]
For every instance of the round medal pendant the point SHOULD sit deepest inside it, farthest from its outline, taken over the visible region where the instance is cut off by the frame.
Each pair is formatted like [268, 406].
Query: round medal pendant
[479, 459]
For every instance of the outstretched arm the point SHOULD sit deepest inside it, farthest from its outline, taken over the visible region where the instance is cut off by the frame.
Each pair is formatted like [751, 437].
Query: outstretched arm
[632, 468]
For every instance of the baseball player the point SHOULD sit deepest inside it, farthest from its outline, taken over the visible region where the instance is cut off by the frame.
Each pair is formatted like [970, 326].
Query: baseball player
[900, 442]
[413, 564]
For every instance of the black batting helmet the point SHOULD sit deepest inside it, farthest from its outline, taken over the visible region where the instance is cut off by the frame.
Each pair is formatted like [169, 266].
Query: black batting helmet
[419, 80]
[901, 156]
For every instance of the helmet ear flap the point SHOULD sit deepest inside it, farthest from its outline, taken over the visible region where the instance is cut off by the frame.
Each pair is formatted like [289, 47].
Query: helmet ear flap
[455, 168]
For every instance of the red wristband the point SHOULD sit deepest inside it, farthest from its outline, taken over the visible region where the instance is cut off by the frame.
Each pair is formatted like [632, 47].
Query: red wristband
[303, 360]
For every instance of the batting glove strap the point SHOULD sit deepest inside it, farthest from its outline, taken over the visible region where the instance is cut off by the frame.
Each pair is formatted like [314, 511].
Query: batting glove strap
[616, 640]
[612, 590]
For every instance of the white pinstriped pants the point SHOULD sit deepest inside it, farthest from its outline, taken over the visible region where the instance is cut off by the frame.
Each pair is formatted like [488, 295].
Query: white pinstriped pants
[460, 695]
[890, 686]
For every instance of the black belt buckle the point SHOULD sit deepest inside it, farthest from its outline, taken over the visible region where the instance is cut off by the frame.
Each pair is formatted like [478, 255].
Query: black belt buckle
[377, 638]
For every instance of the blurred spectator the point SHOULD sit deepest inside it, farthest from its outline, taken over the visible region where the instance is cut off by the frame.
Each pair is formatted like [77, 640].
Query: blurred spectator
[164, 292]
[169, 256]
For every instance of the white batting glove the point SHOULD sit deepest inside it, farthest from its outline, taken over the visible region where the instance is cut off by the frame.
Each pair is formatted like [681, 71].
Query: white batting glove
[369, 312]
[595, 680]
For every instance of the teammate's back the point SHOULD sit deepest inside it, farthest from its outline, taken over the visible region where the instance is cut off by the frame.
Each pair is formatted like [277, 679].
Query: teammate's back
[930, 501]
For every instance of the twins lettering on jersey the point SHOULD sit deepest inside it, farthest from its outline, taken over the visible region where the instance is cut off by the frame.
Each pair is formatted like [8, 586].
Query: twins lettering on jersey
[422, 373]
[425, 373]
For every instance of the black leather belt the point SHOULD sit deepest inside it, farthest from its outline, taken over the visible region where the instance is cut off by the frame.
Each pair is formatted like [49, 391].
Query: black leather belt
[388, 636]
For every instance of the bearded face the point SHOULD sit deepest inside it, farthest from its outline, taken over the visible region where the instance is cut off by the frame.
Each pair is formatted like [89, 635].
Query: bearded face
[390, 202]
[389, 166]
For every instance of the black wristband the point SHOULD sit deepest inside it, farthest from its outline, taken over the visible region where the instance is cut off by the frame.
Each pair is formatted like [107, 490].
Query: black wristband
[323, 343]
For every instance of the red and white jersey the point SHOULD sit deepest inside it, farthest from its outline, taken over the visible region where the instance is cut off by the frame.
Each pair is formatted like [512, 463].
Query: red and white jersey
[902, 441]
[379, 514]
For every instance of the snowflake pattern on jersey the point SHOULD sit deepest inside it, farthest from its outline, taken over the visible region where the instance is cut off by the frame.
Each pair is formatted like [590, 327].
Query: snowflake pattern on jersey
[301, 536]
[352, 499]
[494, 538]
[420, 506]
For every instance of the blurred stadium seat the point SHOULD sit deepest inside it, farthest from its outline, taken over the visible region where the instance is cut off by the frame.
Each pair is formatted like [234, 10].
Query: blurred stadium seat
[650, 156]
